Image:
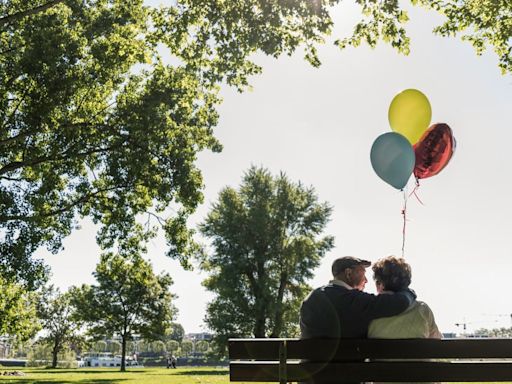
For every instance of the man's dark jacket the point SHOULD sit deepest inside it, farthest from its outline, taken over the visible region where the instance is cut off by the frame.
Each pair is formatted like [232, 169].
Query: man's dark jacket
[333, 311]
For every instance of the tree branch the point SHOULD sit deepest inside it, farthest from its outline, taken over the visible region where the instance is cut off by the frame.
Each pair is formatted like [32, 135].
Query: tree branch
[15, 110]
[160, 219]
[58, 157]
[32, 11]
[65, 208]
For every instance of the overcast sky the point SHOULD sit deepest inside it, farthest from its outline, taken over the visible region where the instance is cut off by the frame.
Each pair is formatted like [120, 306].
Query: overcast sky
[318, 125]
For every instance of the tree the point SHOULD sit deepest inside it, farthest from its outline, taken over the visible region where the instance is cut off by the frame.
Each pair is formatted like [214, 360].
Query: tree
[100, 346]
[131, 347]
[144, 346]
[94, 123]
[172, 346]
[128, 299]
[18, 316]
[58, 320]
[266, 243]
[187, 347]
[158, 347]
[41, 354]
[114, 347]
[501, 333]
[483, 23]
[202, 346]
[176, 332]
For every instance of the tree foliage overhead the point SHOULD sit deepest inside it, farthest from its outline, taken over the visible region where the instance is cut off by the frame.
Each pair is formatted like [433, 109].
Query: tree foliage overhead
[266, 241]
[128, 299]
[94, 122]
[483, 23]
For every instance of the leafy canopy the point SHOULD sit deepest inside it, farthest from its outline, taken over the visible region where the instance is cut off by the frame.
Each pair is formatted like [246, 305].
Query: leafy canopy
[59, 322]
[266, 239]
[129, 299]
[18, 317]
[94, 122]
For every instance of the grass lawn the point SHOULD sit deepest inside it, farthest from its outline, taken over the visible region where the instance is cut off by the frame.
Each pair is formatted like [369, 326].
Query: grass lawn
[184, 375]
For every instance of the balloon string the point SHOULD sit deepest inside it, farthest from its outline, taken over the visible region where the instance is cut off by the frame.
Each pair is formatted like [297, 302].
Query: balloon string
[414, 192]
[404, 214]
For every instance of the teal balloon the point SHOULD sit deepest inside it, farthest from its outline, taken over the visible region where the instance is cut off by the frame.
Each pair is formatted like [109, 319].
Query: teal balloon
[393, 159]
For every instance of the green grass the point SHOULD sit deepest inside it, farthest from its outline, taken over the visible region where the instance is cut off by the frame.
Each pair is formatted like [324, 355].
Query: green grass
[184, 375]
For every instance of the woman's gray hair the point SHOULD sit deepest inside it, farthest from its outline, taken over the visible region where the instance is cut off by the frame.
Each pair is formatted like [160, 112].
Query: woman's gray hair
[393, 272]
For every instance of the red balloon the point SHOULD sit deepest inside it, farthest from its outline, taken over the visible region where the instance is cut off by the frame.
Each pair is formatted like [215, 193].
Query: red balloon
[434, 150]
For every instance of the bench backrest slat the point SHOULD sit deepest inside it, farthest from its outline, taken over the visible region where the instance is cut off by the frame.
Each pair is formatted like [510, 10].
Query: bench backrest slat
[348, 349]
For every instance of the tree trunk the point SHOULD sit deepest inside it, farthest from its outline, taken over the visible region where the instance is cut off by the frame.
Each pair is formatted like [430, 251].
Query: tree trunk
[278, 315]
[55, 351]
[259, 326]
[123, 352]
[259, 302]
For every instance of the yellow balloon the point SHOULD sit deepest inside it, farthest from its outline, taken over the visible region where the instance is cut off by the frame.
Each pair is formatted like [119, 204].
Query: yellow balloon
[409, 114]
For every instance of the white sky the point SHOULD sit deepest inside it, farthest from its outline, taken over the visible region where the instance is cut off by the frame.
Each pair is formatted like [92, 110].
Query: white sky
[318, 125]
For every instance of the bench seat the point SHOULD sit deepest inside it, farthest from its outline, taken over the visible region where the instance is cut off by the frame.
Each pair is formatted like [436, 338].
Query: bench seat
[350, 360]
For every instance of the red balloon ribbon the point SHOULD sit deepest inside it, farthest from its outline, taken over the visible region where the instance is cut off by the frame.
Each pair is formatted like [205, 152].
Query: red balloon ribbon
[404, 215]
[434, 150]
[416, 187]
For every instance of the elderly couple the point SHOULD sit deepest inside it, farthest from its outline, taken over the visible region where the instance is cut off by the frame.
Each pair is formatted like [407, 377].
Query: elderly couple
[341, 309]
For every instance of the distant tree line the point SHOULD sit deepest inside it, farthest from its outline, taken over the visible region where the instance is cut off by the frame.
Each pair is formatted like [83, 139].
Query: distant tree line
[128, 300]
[502, 332]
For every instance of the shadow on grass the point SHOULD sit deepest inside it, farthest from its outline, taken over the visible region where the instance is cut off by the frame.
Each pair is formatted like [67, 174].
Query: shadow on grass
[104, 381]
[87, 372]
[203, 373]
[83, 381]
[27, 381]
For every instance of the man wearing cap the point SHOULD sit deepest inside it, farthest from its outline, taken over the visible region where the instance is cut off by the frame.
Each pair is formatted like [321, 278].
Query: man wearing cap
[341, 309]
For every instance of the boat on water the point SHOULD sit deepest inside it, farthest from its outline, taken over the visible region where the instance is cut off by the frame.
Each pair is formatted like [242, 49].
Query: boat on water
[107, 359]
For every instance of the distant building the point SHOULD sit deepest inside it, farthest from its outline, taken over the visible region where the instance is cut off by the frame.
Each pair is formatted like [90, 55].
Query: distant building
[199, 336]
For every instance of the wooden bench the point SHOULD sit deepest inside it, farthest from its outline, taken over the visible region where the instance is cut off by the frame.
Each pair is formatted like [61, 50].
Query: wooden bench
[348, 360]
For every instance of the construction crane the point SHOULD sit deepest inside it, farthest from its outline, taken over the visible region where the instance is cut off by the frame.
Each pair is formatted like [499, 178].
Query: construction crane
[463, 325]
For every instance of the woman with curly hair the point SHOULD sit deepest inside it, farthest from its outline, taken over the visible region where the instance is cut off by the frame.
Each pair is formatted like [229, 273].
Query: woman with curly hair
[393, 274]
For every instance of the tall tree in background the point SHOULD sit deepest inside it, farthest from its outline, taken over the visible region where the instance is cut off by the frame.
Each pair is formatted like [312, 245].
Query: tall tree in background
[57, 317]
[128, 299]
[266, 240]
